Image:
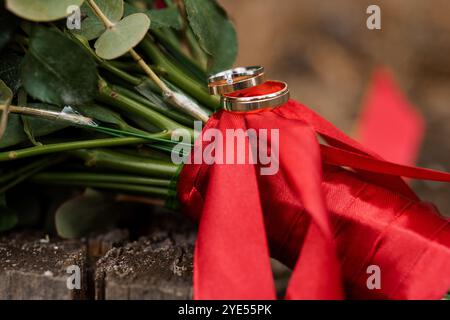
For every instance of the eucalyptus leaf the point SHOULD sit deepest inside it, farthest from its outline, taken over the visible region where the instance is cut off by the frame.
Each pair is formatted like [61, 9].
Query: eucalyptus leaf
[215, 33]
[41, 10]
[102, 114]
[57, 70]
[130, 9]
[8, 218]
[165, 18]
[8, 24]
[6, 94]
[15, 133]
[226, 50]
[10, 69]
[92, 27]
[85, 213]
[124, 36]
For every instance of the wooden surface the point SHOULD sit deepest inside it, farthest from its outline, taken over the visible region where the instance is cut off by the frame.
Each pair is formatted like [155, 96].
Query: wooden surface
[113, 266]
[33, 267]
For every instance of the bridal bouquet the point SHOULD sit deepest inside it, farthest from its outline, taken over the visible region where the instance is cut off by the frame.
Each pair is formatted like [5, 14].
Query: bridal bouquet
[111, 96]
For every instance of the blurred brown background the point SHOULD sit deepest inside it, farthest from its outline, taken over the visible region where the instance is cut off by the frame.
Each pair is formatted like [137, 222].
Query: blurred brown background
[325, 52]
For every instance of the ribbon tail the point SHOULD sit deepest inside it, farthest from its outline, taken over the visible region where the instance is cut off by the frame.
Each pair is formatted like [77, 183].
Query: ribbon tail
[389, 124]
[337, 138]
[231, 258]
[316, 274]
[336, 156]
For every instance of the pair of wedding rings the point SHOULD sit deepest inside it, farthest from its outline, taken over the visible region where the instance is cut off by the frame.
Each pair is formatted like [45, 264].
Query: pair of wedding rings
[246, 88]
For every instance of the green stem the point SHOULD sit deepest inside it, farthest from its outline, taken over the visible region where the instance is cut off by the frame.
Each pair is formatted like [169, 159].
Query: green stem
[176, 76]
[29, 170]
[108, 95]
[126, 66]
[73, 145]
[107, 65]
[85, 177]
[120, 73]
[192, 67]
[152, 191]
[170, 112]
[102, 158]
[138, 134]
[195, 49]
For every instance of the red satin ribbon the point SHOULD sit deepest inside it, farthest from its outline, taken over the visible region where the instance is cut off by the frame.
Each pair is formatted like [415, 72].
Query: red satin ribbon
[389, 124]
[326, 222]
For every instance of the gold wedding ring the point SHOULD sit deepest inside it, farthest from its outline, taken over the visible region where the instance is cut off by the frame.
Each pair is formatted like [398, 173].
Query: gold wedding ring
[228, 83]
[271, 100]
[235, 79]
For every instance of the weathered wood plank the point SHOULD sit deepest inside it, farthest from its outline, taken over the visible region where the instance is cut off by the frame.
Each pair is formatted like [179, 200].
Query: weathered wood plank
[157, 266]
[34, 267]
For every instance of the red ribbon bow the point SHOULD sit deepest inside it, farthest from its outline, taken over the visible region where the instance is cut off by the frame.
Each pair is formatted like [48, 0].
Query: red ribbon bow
[326, 222]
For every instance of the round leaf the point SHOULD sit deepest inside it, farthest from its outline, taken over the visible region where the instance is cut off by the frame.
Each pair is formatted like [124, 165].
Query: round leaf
[41, 10]
[85, 213]
[57, 70]
[124, 36]
[92, 27]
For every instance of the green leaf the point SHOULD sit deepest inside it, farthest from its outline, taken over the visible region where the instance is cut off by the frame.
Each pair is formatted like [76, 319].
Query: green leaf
[102, 114]
[15, 133]
[226, 50]
[92, 27]
[6, 94]
[215, 33]
[124, 36]
[8, 24]
[10, 69]
[57, 70]
[130, 9]
[8, 218]
[165, 18]
[41, 10]
[83, 214]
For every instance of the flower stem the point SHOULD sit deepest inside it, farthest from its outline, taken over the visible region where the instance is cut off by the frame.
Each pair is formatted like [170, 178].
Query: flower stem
[73, 145]
[191, 66]
[108, 24]
[122, 102]
[150, 73]
[27, 171]
[86, 177]
[159, 107]
[103, 158]
[176, 76]
[152, 191]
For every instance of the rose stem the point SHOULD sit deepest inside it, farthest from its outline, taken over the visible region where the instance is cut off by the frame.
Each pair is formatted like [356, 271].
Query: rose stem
[73, 145]
[103, 158]
[29, 170]
[101, 177]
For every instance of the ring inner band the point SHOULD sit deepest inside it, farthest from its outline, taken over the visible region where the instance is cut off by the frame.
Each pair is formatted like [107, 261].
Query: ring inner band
[248, 103]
